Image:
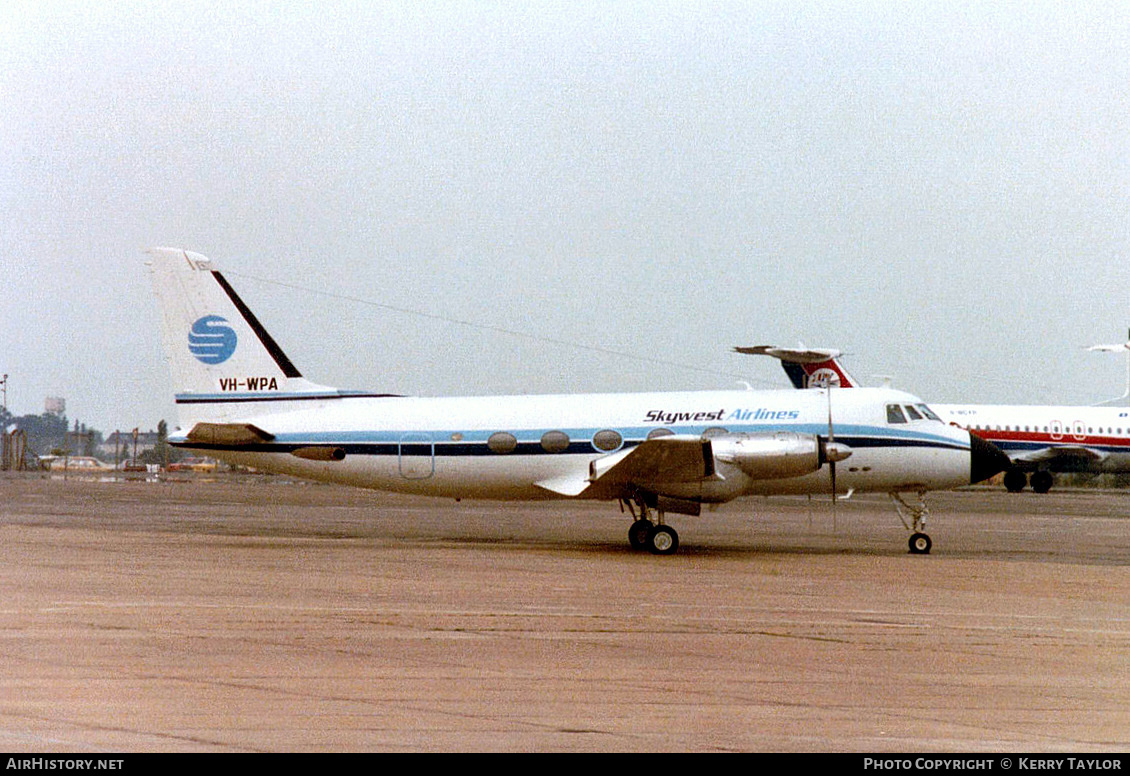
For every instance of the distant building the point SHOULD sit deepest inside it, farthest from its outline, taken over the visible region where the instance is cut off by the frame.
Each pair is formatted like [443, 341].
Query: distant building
[55, 405]
[121, 444]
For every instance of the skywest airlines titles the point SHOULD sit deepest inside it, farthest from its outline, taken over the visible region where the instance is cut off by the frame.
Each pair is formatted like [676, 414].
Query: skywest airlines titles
[662, 416]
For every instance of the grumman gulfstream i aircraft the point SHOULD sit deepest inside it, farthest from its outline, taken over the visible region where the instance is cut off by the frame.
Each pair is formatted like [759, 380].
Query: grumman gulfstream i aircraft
[239, 398]
[1038, 439]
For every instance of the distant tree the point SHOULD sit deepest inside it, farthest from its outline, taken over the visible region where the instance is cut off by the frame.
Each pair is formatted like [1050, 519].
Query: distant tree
[162, 453]
[48, 433]
[164, 449]
[45, 433]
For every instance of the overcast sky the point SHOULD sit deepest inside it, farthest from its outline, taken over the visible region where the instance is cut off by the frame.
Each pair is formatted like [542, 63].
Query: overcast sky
[940, 189]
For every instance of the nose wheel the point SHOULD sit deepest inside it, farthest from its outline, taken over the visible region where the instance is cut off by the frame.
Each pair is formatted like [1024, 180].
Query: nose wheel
[919, 542]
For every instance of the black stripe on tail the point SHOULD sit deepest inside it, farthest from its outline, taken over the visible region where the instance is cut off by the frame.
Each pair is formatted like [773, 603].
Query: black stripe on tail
[269, 343]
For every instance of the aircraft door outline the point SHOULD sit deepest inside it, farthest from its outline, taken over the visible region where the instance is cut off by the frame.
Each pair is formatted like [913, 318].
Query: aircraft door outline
[416, 456]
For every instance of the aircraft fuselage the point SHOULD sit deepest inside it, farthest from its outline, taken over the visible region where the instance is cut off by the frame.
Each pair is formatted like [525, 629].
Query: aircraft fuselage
[501, 447]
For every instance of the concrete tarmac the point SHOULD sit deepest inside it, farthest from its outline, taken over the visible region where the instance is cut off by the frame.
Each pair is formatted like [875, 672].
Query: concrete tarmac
[254, 615]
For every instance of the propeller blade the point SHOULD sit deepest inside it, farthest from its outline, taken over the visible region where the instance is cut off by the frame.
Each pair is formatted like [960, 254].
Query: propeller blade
[835, 502]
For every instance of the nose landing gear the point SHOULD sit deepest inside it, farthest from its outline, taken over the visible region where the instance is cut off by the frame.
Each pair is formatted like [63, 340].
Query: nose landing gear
[919, 542]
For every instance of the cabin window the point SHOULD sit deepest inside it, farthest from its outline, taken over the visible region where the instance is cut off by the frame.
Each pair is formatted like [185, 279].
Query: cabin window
[894, 414]
[655, 433]
[555, 441]
[502, 443]
[714, 431]
[607, 440]
[912, 413]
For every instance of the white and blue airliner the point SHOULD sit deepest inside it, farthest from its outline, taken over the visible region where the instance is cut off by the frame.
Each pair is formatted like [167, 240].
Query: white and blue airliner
[240, 399]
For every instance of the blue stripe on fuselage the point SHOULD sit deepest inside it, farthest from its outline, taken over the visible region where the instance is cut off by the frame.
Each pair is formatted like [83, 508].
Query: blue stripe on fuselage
[474, 443]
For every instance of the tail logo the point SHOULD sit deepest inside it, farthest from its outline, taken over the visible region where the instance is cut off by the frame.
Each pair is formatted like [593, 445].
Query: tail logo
[824, 376]
[211, 340]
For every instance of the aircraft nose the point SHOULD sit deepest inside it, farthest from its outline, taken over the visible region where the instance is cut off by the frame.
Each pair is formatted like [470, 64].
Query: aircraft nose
[985, 459]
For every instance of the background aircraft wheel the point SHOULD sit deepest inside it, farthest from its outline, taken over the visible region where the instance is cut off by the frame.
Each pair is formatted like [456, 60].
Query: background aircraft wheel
[920, 544]
[1041, 482]
[638, 533]
[662, 540]
[1015, 480]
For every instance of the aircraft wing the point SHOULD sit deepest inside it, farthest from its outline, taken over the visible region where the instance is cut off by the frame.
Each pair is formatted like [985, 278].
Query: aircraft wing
[1060, 453]
[669, 459]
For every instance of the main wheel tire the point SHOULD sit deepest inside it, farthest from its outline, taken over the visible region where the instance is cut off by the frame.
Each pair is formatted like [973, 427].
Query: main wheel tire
[1015, 480]
[638, 534]
[920, 544]
[1041, 482]
[662, 540]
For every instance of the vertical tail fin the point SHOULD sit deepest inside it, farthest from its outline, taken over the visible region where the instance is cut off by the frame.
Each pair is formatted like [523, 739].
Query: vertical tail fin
[807, 367]
[224, 363]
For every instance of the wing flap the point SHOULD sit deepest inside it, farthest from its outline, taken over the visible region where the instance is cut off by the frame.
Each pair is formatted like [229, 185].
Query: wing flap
[566, 486]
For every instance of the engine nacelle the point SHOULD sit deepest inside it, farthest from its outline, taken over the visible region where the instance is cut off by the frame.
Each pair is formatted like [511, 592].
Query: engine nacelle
[772, 454]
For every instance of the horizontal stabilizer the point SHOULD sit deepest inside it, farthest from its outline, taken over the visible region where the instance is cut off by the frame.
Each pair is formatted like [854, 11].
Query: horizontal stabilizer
[228, 434]
[807, 367]
[795, 355]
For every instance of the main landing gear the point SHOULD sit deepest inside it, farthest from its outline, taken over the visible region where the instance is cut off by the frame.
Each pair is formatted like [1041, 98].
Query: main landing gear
[655, 537]
[1015, 480]
[919, 542]
[1041, 481]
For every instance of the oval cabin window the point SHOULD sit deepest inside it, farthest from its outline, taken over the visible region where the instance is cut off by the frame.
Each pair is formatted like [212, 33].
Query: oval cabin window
[607, 440]
[502, 442]
[555, 441]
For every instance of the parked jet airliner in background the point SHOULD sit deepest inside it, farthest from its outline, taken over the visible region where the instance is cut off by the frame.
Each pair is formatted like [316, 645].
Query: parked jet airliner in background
[1038, 440]
[239, 398]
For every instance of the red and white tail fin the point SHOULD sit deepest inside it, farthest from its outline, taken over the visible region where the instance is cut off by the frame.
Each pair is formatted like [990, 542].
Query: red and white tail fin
[807, 367]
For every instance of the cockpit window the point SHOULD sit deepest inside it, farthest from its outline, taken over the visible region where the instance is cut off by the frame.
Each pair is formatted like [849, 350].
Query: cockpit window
[894, 414]
[912, 413]
[928, 412]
